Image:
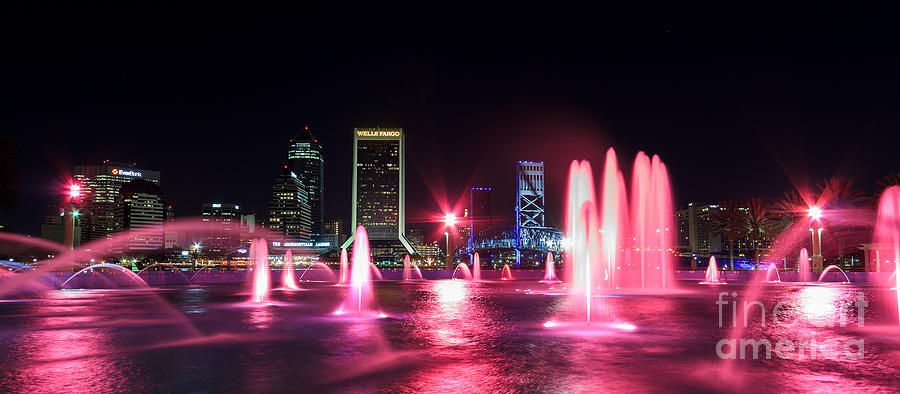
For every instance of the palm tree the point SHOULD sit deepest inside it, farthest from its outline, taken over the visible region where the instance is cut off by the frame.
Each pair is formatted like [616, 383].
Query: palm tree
[760, 223]
[726, 221]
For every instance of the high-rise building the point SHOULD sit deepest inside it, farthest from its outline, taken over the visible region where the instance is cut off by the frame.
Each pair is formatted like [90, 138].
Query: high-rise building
[334, 232]
[306, 159]
[378, 193]
[289, 212]
[141, 210]
[100, 186]
[223, 233]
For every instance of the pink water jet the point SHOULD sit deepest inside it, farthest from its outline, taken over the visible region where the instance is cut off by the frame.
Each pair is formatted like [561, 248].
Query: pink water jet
[549, 270]
[769, 271]
[261, 278]
[613, 219]
[462, 269]
[803, 270]
[344, 277]
[318, 267]
[582, 231]
[410, 270]
[476, 267]
[376, 273]
[360, 297]
[506, 274]
[712, 273]
[287, 272]
[831, 268]
[887, 237]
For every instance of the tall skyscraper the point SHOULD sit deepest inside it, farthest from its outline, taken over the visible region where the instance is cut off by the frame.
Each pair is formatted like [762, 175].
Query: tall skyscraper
[223, 234]
[306, 159]
[141, 210]
[378, 199]
[289, 212]
[100, 186]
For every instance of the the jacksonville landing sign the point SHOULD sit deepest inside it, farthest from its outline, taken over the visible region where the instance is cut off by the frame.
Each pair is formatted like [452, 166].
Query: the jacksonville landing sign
[807, 347]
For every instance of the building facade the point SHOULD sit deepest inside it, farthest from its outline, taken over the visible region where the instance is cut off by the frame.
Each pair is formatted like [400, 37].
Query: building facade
[289, 211]
[306, 159]
[141, 210]
[222, 236]
[378, 192]
[335, 232]
[100, 186]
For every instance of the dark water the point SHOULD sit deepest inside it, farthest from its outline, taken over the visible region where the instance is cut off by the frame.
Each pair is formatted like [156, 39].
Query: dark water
[440, 336]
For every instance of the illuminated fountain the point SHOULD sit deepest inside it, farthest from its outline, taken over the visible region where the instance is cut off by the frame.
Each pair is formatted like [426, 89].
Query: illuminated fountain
[462, 270]
[410, 270]
[549, 270]
[887, 237]
[318, 268]
[712, 273]
[287, 272]
[830, 268]
[804, 272]
[582, 262]
[776, 278]
[261, 278]
[476, 267]
[360, 297]
[127, 272]
[344, 274]
[507, 273]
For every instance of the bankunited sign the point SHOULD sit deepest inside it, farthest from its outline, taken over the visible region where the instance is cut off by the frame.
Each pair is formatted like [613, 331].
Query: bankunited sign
[128, 173]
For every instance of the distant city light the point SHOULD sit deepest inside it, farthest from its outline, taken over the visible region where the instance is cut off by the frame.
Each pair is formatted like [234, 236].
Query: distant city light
[450, 219]
[815, 212]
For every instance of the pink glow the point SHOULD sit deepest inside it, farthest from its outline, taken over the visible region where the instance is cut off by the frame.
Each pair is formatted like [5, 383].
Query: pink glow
[344, 274]
[506, 274]
[261, 278]
[463, 270]
[550, 324]
[887, 237]
[476, 267]
[803, 266]
[360, 298]
[583, 235]
[712, 273]
[287, 272]
[549, 270]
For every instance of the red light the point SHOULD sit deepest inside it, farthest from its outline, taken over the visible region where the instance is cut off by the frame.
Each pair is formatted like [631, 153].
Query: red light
[815, 212]
[74, 191]
[305, 127]
[450, 219]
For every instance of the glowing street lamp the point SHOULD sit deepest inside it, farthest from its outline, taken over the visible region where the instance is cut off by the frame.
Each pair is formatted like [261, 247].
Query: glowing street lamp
[815, 212]
[449, 221]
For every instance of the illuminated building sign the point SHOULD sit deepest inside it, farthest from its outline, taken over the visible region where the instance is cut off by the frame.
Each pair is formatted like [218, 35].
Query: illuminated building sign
[378, 133]
[217, 205]
[321, 244]
[131, 173]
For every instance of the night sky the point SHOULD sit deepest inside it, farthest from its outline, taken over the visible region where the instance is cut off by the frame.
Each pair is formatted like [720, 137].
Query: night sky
[735, 107]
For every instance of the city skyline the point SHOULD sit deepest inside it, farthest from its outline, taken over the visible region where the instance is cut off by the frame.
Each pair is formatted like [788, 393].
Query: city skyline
[734, 123]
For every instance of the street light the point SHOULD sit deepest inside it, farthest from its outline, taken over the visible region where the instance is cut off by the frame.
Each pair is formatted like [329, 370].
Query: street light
[815, 212]
[449, 221]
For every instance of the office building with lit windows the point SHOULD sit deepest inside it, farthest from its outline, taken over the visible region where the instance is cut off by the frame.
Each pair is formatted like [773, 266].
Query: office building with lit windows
[100, 186]
[141, 210]
[222, 236]
[378, 194]
[306, 160]
[289, 211]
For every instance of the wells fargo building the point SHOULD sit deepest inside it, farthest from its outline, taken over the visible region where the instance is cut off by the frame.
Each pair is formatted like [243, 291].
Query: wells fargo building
[378, 194]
